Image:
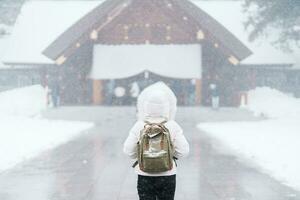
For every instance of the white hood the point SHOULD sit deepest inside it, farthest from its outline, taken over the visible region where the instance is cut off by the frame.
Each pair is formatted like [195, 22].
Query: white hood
[155, 101]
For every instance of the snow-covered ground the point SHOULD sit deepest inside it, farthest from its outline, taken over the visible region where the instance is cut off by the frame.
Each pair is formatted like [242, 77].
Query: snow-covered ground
[271, 145]
[272, 103]
[23, 133]
[23, 102]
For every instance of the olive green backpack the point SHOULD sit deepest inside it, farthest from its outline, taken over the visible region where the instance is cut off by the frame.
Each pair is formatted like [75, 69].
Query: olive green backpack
[155, 148]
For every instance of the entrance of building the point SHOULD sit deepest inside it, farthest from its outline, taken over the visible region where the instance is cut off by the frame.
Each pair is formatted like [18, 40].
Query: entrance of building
[125, 91]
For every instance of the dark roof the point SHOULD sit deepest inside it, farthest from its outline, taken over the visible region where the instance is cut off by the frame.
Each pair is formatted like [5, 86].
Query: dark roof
[216, 29]
[70, 36]
[99, 15]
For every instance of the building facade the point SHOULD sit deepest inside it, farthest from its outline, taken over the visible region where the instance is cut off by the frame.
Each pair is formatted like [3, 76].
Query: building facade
[104, 52]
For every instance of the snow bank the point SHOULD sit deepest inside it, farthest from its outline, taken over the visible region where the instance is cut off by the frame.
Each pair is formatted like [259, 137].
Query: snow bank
[23, 138]
[27, 102]
[272, 103]
[272, 145]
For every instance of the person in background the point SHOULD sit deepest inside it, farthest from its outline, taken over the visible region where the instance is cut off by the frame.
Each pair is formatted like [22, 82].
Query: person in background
[191, 93]
[214, 96]
[134, 92]
[55, 93]
[110, 86]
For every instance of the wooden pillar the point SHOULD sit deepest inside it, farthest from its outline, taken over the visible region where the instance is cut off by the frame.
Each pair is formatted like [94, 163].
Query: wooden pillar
[97, 92]
[198, 91]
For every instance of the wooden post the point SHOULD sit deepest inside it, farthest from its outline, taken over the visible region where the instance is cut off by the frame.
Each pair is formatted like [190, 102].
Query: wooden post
[97, 92]
[198, 91]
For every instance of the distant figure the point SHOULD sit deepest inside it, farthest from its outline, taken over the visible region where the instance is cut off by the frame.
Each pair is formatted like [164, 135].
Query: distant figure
[191, 92]
[134, 91]
[55, 92]
[156, 141]
[214, 96]
[110, 92]
[48, 96]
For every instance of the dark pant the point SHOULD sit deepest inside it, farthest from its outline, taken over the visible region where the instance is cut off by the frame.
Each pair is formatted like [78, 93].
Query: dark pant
[153, 188]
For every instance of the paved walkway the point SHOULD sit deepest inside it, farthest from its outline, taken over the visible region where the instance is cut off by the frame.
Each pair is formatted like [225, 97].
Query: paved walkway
[93, 166]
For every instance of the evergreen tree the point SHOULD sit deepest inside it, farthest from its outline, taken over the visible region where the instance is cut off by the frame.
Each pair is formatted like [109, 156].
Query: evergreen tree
[269, 15]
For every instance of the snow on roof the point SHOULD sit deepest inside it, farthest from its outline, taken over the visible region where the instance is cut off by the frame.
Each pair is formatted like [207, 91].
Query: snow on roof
[3, 47]
[39, 24]
[230, 14]
[159, 59]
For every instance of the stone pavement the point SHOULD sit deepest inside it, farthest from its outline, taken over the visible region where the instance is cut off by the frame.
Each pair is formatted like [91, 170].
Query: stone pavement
[93, 167]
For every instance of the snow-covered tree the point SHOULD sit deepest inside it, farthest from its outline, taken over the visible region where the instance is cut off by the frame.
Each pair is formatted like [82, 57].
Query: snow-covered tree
[9, 10]
[270, 15]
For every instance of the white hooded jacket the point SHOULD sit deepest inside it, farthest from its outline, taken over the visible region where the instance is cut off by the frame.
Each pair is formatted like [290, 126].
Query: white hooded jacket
[155, 102]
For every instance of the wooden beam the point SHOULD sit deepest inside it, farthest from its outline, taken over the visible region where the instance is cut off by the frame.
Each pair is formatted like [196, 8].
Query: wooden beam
[198, 91]
[94, 35]
[233, 60]
[60, 60]
[97, 92]
[78, 44]
[200, 35]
